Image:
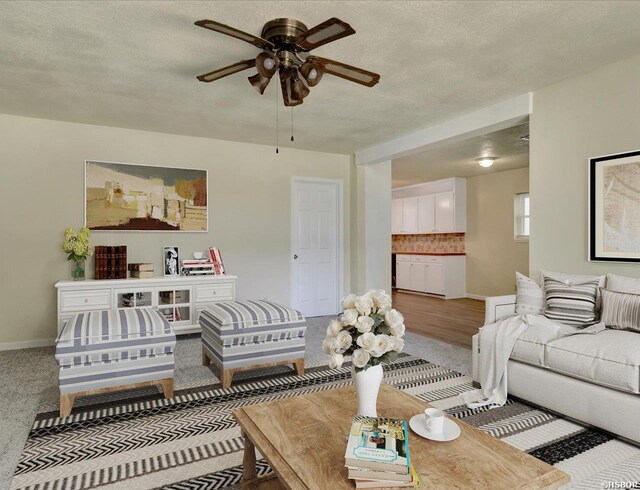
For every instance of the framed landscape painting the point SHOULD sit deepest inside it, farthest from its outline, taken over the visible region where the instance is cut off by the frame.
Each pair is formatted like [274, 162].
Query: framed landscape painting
[130, 197]
[614, 207]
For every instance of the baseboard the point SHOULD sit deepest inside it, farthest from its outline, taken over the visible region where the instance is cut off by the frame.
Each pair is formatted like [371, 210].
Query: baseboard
[27, 344]
[475, 296]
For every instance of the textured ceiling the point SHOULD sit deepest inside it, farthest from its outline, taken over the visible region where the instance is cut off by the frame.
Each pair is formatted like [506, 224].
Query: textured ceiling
[458, 159]
[133, 64]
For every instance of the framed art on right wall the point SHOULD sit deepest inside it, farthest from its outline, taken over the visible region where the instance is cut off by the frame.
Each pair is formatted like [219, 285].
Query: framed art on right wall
[614, 207]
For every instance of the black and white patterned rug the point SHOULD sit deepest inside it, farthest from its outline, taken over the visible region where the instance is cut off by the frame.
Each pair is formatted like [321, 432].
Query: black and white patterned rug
[140, 440]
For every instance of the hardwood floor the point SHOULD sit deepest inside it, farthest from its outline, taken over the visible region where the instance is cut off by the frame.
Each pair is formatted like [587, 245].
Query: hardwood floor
[453, 321]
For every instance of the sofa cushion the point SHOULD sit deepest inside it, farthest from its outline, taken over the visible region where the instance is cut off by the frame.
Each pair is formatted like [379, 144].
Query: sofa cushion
[529, 347]
[623, 284]
[529, 296]
[571, 305]
[610, 358]
[620, 311]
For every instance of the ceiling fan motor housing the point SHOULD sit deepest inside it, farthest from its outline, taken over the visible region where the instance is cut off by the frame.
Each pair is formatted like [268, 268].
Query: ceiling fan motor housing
[283, 32]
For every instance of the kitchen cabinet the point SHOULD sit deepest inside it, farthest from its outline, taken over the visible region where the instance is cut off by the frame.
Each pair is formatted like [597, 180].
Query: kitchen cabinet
[403, 273]
[404, 216]
[434, 207]
[432, 274]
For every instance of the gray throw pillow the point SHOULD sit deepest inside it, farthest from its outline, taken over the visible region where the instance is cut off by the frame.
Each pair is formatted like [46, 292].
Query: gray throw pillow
[529, 296]
[620, 311]
[573, 304]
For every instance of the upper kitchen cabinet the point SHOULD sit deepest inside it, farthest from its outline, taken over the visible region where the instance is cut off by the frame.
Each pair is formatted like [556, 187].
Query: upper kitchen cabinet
[433, 207]
[404, 216]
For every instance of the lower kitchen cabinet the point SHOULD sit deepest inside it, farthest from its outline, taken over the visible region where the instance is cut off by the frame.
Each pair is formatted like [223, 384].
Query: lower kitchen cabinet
[442, 275]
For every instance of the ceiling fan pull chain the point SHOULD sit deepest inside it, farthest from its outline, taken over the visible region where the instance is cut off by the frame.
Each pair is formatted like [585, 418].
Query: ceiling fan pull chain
[291, 123]
[277, 122]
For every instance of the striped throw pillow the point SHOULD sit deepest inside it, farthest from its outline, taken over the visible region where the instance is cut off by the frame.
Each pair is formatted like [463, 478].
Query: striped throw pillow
[573, 304]
[621, 311]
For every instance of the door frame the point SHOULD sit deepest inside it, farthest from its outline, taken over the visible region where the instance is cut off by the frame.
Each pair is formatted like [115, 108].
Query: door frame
[339, 186]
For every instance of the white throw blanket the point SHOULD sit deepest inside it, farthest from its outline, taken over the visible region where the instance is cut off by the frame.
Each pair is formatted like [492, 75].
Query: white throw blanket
[496, 344]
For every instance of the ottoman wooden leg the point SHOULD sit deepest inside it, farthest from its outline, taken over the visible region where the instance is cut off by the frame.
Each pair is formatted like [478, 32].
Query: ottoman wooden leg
[167, 387]
[66, 404]
[205, 358]
[298, 364]
[227, 377]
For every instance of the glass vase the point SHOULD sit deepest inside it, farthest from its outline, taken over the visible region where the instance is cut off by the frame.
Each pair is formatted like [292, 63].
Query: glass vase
[78, 270]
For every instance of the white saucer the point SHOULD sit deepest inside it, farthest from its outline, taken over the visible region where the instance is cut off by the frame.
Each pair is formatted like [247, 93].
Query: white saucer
[418, 425]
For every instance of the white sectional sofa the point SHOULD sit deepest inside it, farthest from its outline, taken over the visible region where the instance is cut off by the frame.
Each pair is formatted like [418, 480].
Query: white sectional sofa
[594, 379]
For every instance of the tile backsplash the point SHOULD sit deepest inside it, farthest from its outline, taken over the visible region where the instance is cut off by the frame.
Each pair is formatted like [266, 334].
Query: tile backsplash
[440, 243]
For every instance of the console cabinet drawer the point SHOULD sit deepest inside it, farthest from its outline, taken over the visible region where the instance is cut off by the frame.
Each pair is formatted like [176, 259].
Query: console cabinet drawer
[85, 300]
[208, 293]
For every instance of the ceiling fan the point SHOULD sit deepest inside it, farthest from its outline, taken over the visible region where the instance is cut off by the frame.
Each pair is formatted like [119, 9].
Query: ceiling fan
[285, 45]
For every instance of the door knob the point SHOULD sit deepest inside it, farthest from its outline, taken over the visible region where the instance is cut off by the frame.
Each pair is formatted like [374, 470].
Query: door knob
[295, 256]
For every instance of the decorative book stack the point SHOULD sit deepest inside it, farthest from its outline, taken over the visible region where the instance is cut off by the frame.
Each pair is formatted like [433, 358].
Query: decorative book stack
[211, 266]
[110, 262]
[141, 270]
[377, 454]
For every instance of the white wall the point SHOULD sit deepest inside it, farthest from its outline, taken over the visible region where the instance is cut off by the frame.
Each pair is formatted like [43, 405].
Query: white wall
[493, 256]
[41, 193]
[591, 115]
[374, 226]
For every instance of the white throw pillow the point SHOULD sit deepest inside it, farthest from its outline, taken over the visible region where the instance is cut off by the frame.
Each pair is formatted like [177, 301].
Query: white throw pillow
[622, 284]
[529, 296]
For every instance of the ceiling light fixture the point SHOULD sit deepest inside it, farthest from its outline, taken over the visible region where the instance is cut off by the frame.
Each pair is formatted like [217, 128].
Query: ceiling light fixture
[285, 45]
[486, 161]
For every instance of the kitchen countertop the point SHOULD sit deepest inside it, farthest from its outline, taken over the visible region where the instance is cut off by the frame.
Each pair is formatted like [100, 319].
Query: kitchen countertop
[429, 253]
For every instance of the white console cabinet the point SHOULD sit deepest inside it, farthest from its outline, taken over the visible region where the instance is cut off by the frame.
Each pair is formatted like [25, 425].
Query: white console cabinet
[179, 299]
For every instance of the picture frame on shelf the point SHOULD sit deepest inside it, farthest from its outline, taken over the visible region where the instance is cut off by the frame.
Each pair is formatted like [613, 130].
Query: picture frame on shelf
[171, 260]
[614, 207]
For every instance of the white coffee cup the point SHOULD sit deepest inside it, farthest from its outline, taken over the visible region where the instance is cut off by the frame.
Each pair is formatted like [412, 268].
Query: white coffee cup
[434, 420]
[197, 255]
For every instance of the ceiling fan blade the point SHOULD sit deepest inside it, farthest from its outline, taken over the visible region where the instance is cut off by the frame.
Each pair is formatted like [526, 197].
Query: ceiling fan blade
[329, 31]
[290, 96]
[231, 31]
[226, 71]
[348, 72]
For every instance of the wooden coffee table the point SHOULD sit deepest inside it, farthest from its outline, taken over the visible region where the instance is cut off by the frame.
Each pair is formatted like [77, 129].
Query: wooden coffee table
[304, 438]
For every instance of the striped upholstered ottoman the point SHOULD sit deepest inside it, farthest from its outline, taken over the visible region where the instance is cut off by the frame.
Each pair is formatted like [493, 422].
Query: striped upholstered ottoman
[241, 335]
[101, 351]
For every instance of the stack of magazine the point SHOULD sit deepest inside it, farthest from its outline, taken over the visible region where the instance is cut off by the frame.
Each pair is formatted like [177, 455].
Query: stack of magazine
[377, 454]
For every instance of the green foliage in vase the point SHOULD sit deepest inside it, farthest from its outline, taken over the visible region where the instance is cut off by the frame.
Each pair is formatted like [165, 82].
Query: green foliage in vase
[77, 244]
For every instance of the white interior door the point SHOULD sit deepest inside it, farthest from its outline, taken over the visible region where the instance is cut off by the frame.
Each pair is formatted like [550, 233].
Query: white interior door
[315, 247]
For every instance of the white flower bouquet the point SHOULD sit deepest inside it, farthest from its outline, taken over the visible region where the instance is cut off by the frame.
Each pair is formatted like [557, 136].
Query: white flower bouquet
[368, 330]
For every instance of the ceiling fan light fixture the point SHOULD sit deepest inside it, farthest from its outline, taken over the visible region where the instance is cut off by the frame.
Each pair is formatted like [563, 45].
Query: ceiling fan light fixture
[267, 64]
[259, 82]
[311, 73]
[486, 161]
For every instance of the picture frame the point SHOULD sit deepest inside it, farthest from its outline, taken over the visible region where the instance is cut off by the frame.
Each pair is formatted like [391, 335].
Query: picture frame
[171, 260]
[614, 208]
[145, 198]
